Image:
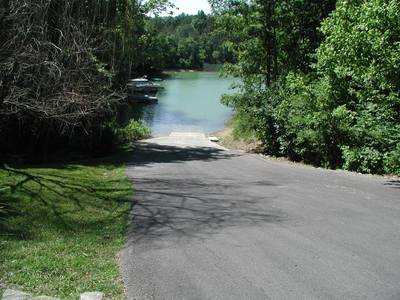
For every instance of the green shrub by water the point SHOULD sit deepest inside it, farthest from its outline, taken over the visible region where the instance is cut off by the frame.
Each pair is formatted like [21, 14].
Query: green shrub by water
[135, 130]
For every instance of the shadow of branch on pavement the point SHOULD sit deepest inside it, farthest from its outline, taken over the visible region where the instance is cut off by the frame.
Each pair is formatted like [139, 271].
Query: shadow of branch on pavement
[195, 208]
[144, 153]
[393, 184]
[175, 206]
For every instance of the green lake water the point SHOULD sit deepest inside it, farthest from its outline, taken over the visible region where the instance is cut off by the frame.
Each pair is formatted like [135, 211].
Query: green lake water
[190, 101]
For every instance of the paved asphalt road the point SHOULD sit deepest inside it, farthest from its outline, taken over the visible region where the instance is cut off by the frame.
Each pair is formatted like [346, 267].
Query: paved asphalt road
[215, 224]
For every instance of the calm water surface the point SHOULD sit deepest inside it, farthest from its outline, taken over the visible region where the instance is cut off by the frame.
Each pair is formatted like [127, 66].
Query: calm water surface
[189, 102]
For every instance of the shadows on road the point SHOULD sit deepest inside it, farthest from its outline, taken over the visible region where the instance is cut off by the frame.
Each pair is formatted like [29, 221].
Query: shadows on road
[195, 205]
[194, 200]
[393, 184]
[145, 153]
[192, 208]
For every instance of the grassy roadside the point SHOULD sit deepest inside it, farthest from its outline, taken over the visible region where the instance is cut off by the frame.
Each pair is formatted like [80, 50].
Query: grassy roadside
[61, 228]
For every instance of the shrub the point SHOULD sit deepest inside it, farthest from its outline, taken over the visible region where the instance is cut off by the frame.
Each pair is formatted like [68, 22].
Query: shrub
[309, 127]
[242, 128]
[135, 130]
[392, 161]
[363, 160]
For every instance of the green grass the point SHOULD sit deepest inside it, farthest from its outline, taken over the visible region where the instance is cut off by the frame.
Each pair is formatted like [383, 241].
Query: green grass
[61, 228]
[242, 130]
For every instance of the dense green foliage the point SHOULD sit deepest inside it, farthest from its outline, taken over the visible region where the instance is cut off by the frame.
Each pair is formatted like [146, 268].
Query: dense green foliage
[184, 41]
[360, 58]
[328, 97]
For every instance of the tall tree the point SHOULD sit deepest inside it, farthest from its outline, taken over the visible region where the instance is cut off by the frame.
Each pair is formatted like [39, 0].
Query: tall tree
[60, 62]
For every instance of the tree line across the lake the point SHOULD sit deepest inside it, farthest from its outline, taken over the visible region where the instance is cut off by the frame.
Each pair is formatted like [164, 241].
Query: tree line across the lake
[185, 42]
[319, 79]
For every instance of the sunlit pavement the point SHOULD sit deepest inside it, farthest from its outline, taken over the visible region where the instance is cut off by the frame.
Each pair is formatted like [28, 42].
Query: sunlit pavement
[214, 224]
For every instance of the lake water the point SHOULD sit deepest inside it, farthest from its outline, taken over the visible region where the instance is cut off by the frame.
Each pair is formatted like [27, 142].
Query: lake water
[190, 101]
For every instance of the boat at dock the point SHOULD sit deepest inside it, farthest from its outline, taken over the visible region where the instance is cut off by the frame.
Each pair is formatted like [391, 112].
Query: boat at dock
[142, 90]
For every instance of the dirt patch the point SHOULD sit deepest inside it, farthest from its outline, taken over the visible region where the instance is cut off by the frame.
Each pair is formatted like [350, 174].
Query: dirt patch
[226, 140]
